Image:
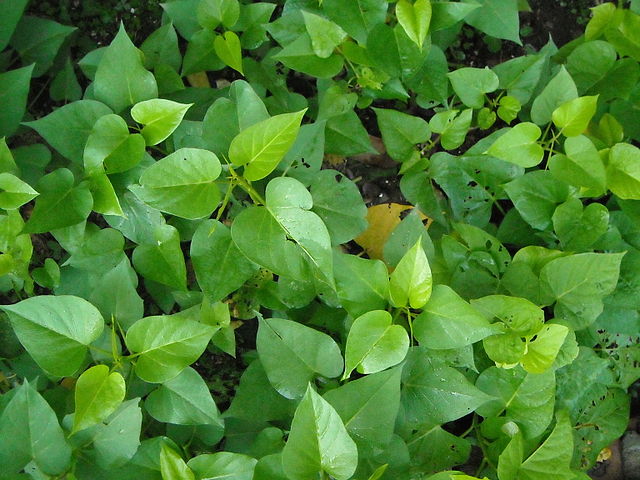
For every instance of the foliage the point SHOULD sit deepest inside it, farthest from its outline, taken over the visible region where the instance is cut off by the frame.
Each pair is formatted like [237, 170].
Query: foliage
[152, 218]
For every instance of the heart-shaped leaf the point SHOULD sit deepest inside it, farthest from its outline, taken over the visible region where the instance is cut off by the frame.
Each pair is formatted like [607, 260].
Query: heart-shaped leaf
[160, 118]
[519, 145]
[411, 281]
[227, 47]
[415, 19]
[98, 394]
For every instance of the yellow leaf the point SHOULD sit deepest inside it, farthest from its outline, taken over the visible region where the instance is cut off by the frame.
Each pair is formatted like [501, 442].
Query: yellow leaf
[199, 79]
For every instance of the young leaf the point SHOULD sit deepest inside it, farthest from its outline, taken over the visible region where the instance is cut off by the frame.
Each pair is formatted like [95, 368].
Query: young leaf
[166, 345]
[447, 321]
[325, 35]
[121, 79]
[172, 466]
[623, 171]
[518, 314]
[374, 343]
[415, 19]
[318, 442]
[581, 166]
[182, 183]
[543, 348]
[579, 228]
[29, 431]
[573, 116]
[261, 146]
[519, 145]
[309, 353]
[98, 394]
[411, 281]
[470, 84]
[184, 400]
[14, 192]
[228, 49]
[160, 118]
[56, 330]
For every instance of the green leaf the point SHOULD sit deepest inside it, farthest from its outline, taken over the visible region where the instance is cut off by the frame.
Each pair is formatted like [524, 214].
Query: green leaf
[573, 116]
[201, 55]
[520, 77]
[318, 442]
[160, 118]
[580, 166]
[519, 145]
[506, 350]
[447, 14]
[228, 49]
[590, 62]
[518, 314]
[401, 132]
[263, 145]
[543, 348]
[559, 90]
[162, 262]
[415, 19]
[98, 394]
[14, 89]
[161, 48]
[14, 192]
[325, 35]
[536, 195]
[346, 136]
[10, 13]
[60, 204]
[212, 13]
[111, 146]
[447, 321]
[184, 400]
[182, 183]
[434, 394]
[299, 55]
[579, 228]
[166, 345]
[308, 353]
[525, 398]
[56, 330]
[434, 449]
[579, 283]
[261, 234]
[219, 265]
[38, 40]
[362, 283]
[374, 343]
[29, 431]
[623, 171]
[117, 442]
[223, 465]
[105, 199]
[452, 127]
[172, 466]
[411, 281]
[508, 109]
[498, 18]
[358, 17]
[121, 79]
[471, 84]
[68, 128]
[337, 201]
[368, 407]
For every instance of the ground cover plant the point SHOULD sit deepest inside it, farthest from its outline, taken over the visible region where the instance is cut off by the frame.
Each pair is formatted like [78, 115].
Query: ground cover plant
[200, 196]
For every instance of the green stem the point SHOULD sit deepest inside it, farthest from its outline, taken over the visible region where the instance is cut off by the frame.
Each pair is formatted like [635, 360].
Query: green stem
[246, 186]
[225, 201]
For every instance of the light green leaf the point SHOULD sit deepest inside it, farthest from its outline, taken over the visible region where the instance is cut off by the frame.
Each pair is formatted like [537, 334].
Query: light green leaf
[14, 192]
[299, 55]
[105, 199]
[162, 262]
[543, 348]
[518, 314]
[308, 353]
[559, 90]
[184, 400]
[374, 343]
[470, 84]
[228, 49]
[14, 90]
[506, 350]
[160, 118]
[182, 183]
[172, 466]
[580, 166]
[447, 321]
[578, 228]
[415, 19]
[121, 79]
[263, 145]
[519, 145]
[573, 116]
[68, 128]
[623, 171]
[98, 394]
[508, 108]
[318, 442]
[223, 465]
[579, 283]
[166, 345]
[325, 35]
[368, 407]
[29, 431]
[411, 281]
